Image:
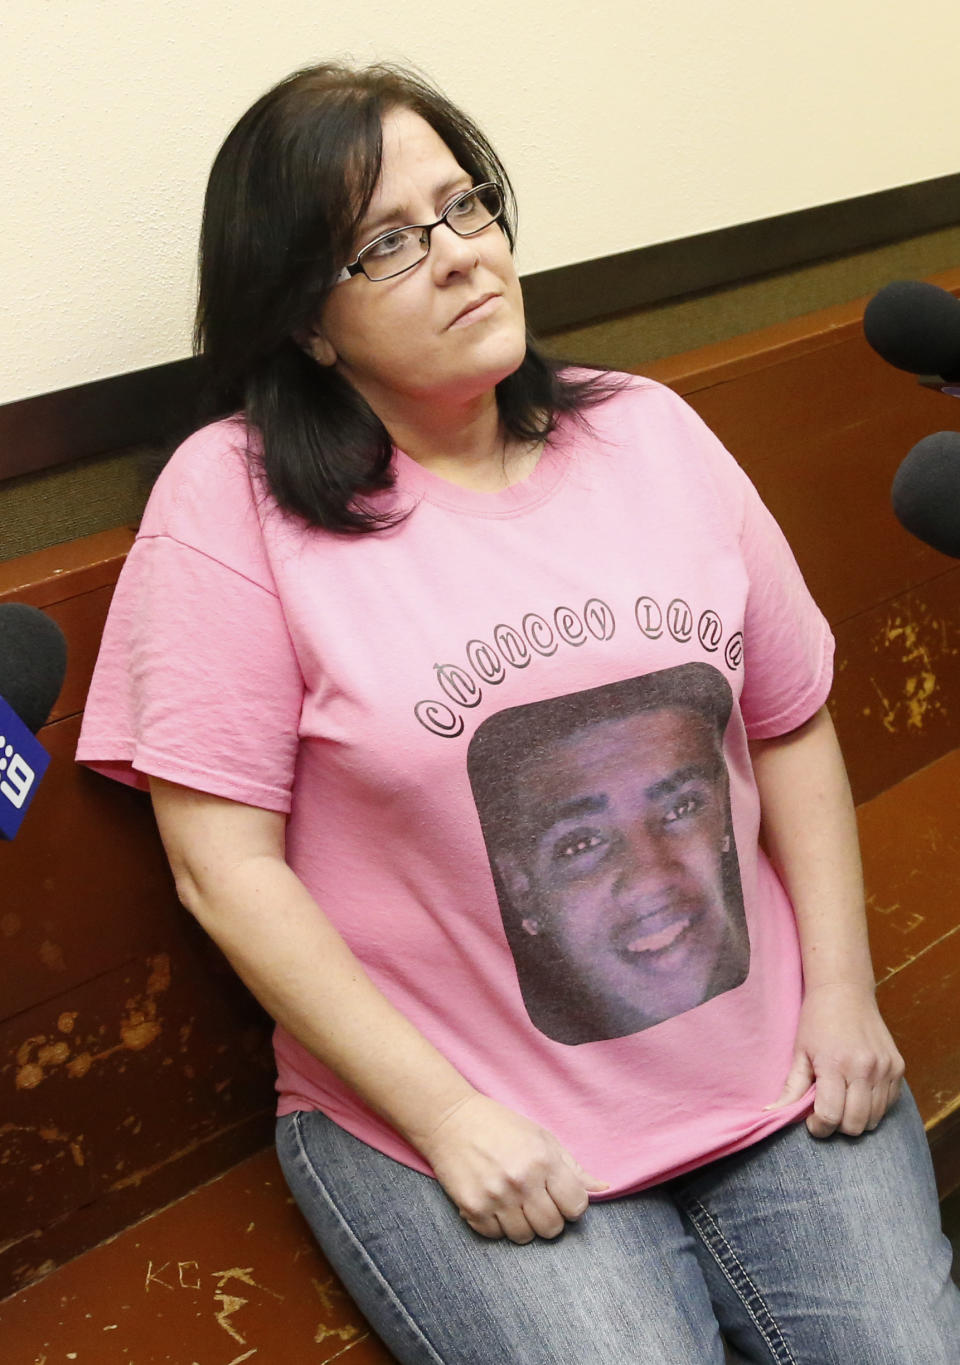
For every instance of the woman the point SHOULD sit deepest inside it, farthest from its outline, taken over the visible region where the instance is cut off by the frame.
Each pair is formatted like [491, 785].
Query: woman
[412, 525]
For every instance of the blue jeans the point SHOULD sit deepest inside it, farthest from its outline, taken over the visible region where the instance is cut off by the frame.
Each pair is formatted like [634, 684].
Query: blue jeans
[801, 1251]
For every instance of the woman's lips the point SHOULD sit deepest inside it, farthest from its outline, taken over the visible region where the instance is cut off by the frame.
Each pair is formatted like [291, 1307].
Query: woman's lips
[474, 312]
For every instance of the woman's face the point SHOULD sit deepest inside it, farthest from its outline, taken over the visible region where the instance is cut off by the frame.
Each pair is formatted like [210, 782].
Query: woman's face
[407, 341]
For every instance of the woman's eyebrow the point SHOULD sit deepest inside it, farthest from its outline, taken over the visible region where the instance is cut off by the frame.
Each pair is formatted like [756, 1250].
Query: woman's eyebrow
[399, 217]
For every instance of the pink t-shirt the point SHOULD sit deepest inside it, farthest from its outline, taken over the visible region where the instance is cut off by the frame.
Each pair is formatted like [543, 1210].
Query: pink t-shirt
[511, 737]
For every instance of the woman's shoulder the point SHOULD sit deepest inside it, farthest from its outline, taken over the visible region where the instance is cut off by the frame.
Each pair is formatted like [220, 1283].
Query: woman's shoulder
[633, 407]
[210, 480]
[211, 500]
[214, 457]
[660, 442]
[619, 394]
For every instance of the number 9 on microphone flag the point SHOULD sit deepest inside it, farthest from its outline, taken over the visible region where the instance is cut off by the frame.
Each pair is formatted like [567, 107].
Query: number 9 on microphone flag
[23, 762]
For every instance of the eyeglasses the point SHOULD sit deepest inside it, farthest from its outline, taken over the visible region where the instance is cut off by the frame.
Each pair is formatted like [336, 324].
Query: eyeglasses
[404, 247]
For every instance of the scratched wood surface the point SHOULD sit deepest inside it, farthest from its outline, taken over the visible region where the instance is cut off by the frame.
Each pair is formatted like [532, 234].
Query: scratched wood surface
[821, 424]
[228, 1275]
[132, 1062]
[896, 690]
[911, 845]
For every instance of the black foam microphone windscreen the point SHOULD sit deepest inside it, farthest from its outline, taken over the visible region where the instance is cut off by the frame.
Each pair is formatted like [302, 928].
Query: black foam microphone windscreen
[915, 326]
[926, 492]
[33, 661]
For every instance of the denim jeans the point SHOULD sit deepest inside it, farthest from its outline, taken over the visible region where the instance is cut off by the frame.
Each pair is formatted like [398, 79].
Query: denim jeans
[802, 1251]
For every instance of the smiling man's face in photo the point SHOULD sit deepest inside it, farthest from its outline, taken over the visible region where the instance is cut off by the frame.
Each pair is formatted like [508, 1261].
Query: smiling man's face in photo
[618, 874]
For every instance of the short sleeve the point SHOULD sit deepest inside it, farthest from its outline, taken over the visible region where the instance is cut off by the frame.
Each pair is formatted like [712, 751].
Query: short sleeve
[787, 643]
[197, 680]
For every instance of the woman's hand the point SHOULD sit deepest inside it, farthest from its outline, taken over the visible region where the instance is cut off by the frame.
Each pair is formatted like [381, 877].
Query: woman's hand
[507, 1176]
[845, 1047]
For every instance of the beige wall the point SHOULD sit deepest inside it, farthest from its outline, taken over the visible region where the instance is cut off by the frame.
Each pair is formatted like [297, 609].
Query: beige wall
[623, 124]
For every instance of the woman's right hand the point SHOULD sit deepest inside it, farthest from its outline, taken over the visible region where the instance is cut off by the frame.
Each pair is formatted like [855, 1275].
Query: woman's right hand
[507, 1176]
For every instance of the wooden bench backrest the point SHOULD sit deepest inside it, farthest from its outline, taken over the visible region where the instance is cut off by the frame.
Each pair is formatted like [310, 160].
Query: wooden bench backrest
[820, 424]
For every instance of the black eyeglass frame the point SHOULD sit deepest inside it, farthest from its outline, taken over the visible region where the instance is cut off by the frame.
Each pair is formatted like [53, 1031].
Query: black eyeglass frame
[356, 266]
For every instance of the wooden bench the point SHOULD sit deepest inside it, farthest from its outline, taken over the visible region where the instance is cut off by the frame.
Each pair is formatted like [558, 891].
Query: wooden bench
[135, 1071]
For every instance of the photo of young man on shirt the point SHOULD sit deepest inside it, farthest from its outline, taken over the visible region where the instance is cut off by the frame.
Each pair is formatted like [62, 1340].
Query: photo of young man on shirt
[606, 816]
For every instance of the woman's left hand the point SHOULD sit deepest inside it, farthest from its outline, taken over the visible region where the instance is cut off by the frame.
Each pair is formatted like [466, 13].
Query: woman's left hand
[845, 1047]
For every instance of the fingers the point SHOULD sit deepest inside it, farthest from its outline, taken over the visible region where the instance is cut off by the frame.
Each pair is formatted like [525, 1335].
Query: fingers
[514, 1225]
[828, 1104]
[886, 1093]
[588, 1182]
[798, 1082]
[507, 1176]
[522, 1213]
[879, 1103]
[543, 1216]
[537, 1216]
[486, 1224]
[856, 1104]
[567, 1190]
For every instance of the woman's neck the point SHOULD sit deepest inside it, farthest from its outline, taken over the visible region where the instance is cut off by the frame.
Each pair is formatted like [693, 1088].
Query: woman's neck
[465, 446]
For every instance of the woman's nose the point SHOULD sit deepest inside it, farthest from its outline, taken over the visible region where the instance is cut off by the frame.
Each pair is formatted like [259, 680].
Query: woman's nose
[452, 254]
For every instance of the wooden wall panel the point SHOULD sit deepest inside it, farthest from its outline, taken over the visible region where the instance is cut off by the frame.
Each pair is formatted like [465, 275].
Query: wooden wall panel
[117, 1078]
[81, 619]
[820, 424]
[132, 1061]
[823, 458]
[87, 885]
[822, 436]
[896, 691]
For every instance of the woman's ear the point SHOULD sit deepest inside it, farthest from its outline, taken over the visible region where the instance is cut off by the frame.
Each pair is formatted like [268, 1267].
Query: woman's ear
[316, 345]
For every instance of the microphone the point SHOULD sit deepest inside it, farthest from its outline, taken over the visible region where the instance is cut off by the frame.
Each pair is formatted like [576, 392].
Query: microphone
[926, 492]
[33, 661]
[915, 326]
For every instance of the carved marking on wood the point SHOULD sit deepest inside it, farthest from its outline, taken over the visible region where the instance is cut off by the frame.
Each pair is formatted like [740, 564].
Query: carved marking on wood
[343, 1352]
[231, 1303]
[182, 1268]
[914, 922]
[915, 957]
[153, 1277]
[881, 909]
[327, 1292]
[245, 1276]
[341, 1333]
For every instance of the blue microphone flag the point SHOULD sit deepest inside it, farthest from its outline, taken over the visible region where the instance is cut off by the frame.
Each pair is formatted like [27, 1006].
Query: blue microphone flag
[23, 762]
